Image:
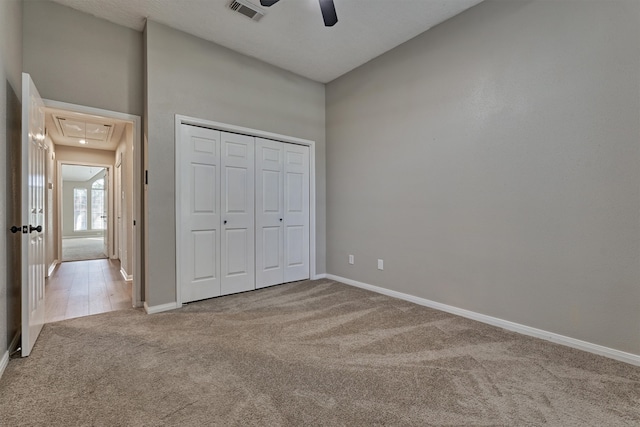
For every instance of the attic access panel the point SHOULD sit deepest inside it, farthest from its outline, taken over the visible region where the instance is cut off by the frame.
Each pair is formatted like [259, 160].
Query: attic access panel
[90, 131]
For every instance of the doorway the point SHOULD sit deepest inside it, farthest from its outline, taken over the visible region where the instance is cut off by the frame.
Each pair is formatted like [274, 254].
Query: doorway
[51, 135]
[84, 211]
[92, 238]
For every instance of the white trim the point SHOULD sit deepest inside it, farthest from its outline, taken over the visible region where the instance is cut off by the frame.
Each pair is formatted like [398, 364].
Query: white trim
[4, 362]
[320, 276]
[13, 347]
[160, 308]
[136, 121]
[224, 127]
[52, 267]
[180, 120]
[633, 359]
[125, 276]
[177, 207]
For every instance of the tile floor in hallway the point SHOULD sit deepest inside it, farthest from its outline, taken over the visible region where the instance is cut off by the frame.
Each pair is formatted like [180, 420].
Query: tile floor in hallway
[81, 288]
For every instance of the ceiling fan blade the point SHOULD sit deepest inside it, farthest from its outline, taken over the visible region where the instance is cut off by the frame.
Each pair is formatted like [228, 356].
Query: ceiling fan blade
[328, 12]
[268, 3]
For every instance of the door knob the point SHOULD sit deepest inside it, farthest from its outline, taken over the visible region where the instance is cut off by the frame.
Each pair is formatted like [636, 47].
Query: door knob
[15, 229]
[32, 228]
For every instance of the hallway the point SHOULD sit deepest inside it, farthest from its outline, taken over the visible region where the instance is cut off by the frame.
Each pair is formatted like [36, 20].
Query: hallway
[82, 288]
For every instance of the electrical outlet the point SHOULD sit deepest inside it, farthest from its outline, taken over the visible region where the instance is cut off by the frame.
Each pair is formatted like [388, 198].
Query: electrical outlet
[380, 264]
[351, 259]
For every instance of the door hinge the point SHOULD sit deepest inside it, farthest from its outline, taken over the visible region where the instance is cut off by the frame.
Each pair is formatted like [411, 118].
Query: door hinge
[146, 177]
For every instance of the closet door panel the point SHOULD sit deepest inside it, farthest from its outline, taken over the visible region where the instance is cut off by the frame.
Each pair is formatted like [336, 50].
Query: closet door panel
[200, 209]
[295, 241]
[238, 231]
[237, 247]
[269, 213]
[272, 249]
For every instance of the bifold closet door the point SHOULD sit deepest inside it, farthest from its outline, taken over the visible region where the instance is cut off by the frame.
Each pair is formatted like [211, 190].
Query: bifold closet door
[269, 213]
[238, 215]
[200, 209]
[296, 212]
[282, 212]
[244, 207]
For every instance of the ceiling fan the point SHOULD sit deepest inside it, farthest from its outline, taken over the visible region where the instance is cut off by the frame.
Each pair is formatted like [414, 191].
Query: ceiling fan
[326, 6]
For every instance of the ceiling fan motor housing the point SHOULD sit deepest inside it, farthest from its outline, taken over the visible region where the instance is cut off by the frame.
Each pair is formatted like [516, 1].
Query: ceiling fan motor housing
[327, 8]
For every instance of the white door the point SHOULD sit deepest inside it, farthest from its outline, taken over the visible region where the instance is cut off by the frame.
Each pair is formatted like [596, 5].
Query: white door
[237, 198]
[105, 215]
[123, 218]
[282, 212]
[117, 200]
[33, 192]
[269, 213]
[199, 201]
[296, 212]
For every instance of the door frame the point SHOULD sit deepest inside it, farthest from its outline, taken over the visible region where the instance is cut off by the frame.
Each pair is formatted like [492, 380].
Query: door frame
[225, 127]
[138, 218]
[59, 202]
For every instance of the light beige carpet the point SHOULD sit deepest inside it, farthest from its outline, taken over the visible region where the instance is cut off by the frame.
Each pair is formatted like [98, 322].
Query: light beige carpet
[85, 248]
[308, 353]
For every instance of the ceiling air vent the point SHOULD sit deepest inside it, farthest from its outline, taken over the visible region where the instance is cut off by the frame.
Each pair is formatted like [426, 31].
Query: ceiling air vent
[247, 9]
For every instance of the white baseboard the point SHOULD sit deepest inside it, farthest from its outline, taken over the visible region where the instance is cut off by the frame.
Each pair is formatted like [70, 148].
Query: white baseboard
[125, 276]
[622, 356]
[13, 346]
[319, 276]
[4, 362]
[52, 267]
[160, 308]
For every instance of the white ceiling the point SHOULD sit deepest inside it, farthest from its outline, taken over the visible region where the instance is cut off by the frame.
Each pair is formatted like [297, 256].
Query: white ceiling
[292, 34]
[68, 128]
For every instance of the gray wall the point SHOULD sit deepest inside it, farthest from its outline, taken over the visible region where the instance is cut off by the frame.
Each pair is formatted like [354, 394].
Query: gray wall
[77, 58]
[189, 76]
[493, 163]
[10, 93]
